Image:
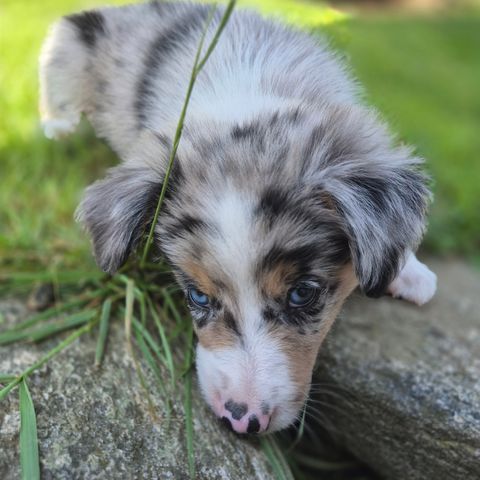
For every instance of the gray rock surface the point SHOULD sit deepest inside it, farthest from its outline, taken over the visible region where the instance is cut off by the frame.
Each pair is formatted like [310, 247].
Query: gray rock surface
[406, 399]
[95, 424]
[410, 380]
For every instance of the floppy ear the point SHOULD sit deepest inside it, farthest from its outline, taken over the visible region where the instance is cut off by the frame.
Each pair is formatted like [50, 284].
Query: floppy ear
[377, 190]
[383, 206]
[115, 210]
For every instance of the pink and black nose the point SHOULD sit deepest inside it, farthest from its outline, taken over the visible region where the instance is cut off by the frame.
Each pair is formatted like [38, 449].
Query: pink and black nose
[239, 418]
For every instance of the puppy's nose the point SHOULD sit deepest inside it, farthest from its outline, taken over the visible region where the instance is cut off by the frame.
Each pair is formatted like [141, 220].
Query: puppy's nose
[242, 419]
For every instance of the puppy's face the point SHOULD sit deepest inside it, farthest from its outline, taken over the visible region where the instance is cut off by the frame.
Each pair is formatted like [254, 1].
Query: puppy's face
[264, 282]
[268, 226]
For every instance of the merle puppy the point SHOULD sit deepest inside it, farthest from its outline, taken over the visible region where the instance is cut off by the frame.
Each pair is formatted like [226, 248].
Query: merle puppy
[287, 192]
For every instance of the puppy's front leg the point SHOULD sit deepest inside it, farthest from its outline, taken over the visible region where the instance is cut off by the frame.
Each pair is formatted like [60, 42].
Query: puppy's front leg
[415, 282]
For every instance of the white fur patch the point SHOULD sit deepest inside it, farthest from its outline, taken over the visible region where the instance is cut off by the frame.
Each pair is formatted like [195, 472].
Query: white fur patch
[415, 283]
[257, 372]
[55, 128]
[235, 248]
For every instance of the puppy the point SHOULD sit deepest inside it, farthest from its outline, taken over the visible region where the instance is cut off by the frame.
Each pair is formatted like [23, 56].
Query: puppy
[286, 195]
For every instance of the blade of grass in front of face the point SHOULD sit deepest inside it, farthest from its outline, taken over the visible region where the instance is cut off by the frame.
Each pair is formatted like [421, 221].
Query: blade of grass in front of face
[221, 26]
[129, 298]
[51, 353]
[129, 301]
[197, 66]
[103, 331]
[165, 344]
[281, 470]
[28, 435]
[301, 429]
[281, 458]
[47, 330]
[170, 303]
[143, 309]
[154, 346]
[147, 355]
[187, 405]
[141, 378]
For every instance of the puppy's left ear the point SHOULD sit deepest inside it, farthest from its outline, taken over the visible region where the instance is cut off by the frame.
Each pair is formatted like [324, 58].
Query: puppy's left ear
[115, 211]
[381, 197]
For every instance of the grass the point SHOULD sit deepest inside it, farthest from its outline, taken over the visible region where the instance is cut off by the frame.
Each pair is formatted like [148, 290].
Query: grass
[422, 73]
[28, 435]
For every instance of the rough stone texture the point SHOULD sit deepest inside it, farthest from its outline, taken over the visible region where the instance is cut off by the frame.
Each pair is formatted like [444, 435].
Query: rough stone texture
[95, 424]
[412, 377]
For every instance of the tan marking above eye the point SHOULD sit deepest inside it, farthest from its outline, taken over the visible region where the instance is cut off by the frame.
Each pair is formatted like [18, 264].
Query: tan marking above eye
[274, 282]
[201, 278]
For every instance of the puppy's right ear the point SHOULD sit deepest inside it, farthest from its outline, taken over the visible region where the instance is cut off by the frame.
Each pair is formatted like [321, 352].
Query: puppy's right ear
[115, 211]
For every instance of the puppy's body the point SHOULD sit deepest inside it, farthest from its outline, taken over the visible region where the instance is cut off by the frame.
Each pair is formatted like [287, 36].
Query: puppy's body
[285, 186]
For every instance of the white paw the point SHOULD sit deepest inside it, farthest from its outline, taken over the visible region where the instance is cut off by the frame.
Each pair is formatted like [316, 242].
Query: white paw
[55, 128]
[415, 283]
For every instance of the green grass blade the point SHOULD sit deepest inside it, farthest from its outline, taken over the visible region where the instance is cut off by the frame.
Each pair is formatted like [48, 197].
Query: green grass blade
[301, 429]
[103, 331]
[6, 390]
[47, 314]
[221, 26]
[51, 312]
[165, 343]
[136, 363]
[276, 458]
[147, 355]
[5, 377]
[63, 277]
[197, 66]
[28, 435]
[143, 309]
[169, 302]
[187, 405]
[67, 324]
[129, 299]
[153, 345]
[47, 330]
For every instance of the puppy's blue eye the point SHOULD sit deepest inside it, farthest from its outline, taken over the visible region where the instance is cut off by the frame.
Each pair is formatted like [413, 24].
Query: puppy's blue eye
[301, 296]
[198, 298]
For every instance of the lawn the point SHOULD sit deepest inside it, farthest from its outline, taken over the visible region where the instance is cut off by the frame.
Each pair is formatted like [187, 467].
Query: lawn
[422, 73]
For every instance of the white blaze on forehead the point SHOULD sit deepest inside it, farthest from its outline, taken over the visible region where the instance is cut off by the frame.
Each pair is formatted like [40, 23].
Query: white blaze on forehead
[232, 214]
[257, 368]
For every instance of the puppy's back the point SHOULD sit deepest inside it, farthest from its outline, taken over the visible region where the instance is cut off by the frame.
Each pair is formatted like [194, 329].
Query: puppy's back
[127, 68]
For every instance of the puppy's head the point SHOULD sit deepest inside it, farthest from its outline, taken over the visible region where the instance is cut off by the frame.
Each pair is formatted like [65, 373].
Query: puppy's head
[269, 227]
